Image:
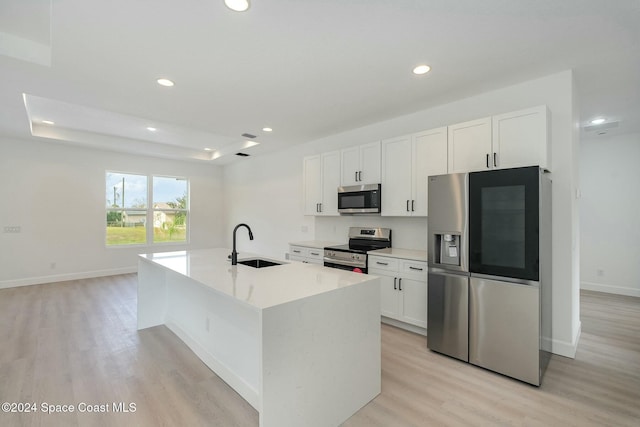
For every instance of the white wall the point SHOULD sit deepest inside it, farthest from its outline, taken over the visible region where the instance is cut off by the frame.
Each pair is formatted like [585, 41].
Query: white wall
[266, 192]
[610, 223]
[55, 193]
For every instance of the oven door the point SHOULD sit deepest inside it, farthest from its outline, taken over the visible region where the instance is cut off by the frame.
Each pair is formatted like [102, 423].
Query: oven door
[359, 199]
[345, 267]
[503, 223]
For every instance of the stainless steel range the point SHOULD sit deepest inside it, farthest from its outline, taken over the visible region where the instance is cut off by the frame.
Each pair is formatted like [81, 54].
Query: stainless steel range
[353, 256]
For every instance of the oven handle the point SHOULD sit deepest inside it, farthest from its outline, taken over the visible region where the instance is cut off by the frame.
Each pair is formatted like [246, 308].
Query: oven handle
[344, 262]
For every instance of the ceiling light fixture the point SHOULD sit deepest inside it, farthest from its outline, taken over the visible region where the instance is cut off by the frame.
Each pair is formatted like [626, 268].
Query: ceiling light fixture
[151, 129]
[237, 5]
[421, 69]
[48, 122]
[267, 129]
[165, 82]
[208, 149]
[597, 121]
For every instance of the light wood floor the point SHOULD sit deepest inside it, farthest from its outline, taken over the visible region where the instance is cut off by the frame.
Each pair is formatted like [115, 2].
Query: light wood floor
[74, 342]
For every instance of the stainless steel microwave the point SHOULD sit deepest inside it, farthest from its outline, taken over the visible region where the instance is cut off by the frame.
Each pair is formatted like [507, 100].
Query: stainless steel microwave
[359, 199]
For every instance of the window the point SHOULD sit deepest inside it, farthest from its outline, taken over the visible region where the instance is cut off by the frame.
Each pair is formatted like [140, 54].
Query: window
[128, 213]
[169, 209]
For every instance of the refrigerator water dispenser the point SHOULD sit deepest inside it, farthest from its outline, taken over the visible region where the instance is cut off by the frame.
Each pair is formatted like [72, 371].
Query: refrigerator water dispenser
[449, 248]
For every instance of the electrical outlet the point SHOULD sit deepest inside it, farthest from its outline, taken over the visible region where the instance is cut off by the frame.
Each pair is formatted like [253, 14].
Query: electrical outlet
[12, 229]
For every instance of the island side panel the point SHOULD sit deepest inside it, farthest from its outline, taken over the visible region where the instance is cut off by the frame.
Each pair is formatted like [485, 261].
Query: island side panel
[221, 331]
[321, 357]
[152, 295]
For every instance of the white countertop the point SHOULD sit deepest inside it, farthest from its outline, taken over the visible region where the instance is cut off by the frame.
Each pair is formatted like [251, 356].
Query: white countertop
[259, 288]
[316, 244]
[411, 254]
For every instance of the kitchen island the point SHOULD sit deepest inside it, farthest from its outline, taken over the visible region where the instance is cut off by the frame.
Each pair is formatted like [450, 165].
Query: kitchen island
[299, 342]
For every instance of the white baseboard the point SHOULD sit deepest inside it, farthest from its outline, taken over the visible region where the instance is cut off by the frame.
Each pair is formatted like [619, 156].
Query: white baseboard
[567, 349]
[405, 326]
[65, 277]
[618, 290]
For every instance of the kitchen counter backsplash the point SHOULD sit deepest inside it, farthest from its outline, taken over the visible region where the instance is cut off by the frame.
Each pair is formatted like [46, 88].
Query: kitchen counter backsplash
[316, 244]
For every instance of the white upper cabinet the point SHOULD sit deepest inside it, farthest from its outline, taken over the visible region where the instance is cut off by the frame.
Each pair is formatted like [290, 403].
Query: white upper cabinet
[361, 164]
[429, 158]
[397, 157]
[519, 138]
[321, 182]
[312, 173]
[469, 146]
[407, 161]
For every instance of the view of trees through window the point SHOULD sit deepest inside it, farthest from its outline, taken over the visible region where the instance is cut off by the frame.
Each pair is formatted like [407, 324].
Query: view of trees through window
[131, 220]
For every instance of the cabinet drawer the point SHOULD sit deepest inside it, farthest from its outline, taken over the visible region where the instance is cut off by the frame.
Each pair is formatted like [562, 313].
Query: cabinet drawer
[414, 269]
[383, 263]
[299, 251]
[315, 254]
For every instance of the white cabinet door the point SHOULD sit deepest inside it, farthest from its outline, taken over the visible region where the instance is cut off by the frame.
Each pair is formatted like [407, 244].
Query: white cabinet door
[361, 164]
[470, 146]
[312, 176]
[321, 181]
[429, 158]
[396, 176]
[388, 295]
[350, 165]
[330, 183]
[413, 303]
[520, 138]
[370, 163]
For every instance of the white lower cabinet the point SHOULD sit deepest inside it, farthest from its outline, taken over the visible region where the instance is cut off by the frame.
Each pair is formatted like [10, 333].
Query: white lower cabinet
[403, 289]
[306, 254]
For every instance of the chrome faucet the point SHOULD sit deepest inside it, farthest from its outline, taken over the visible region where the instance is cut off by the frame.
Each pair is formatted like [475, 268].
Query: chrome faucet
[234, 254]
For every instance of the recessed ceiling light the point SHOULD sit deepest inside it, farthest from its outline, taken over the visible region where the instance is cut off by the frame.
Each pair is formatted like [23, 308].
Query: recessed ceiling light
[267, 129]
[152, 129]
[208, 149]
[165, 82]
[237, 5]
[597, 121]
[48, 122]
[421, 69]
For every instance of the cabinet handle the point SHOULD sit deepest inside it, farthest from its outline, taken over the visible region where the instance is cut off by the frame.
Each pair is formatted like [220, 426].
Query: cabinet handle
[413, 206]
[395, 279]
[407, 205]
[487, 160]
[415, 268]
[295, 252]
[495, 163]
[360, 176]
[382, 263]
[320, 204]
[400, 284]
[356, 176]
[316, 254]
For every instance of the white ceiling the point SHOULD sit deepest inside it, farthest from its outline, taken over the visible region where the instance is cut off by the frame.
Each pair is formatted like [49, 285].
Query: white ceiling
[306, 68]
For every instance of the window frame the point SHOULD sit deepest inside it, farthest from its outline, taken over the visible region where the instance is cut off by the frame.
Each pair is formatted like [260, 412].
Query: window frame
[149, 212]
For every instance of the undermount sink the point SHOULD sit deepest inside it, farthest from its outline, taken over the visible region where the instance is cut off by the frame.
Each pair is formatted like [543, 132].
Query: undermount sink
[258, 263]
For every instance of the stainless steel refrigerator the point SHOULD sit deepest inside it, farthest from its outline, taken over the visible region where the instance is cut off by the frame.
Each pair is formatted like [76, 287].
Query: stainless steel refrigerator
[489, 284]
